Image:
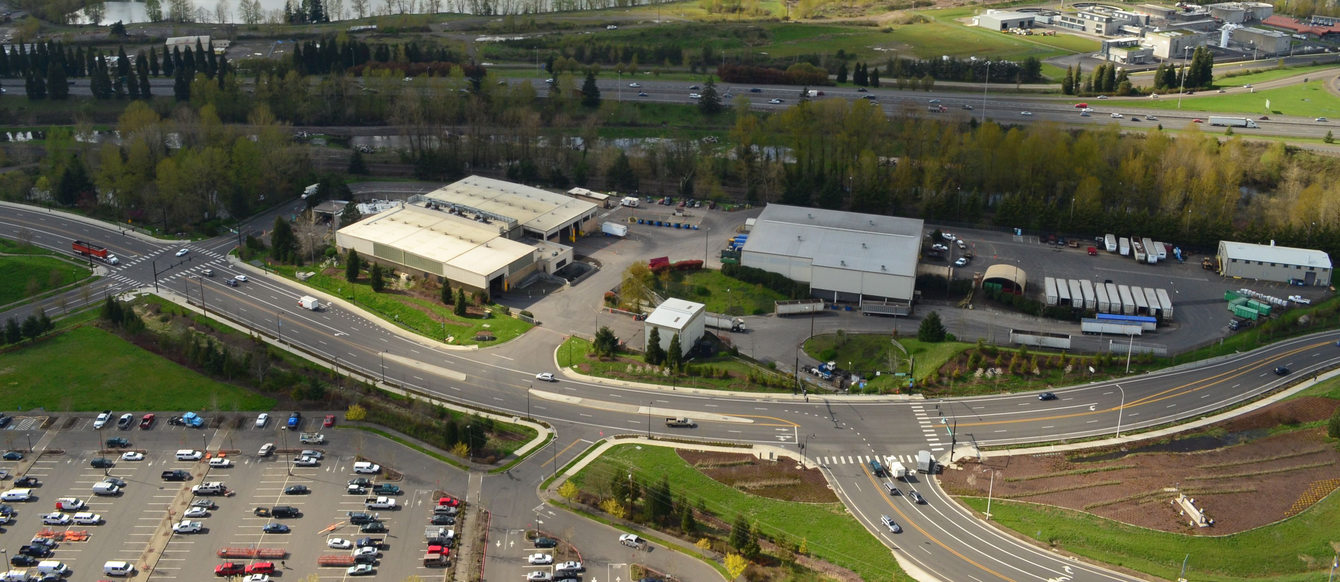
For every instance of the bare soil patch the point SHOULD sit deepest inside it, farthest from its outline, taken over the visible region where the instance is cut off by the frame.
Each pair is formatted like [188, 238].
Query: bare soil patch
[776, 480]
[1241, 476]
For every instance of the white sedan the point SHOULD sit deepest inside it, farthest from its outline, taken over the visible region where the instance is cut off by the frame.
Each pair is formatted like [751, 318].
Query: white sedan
[540, 559]
[197, 512]
[183, 252]
[775, 101]
[339, 543]
[1117, 116]
[1026, 113]
[306, 462]
[132, 456]
[635, 85]
[546, 377]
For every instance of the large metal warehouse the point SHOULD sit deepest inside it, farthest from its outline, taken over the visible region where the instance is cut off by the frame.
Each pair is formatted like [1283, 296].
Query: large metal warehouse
[514, 210]
[844, 256]
[446, 246]
[1274, 263]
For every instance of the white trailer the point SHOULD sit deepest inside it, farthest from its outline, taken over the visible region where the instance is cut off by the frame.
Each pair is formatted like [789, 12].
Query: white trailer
[1113, 297]
[1165, 304]
[1110, 242]
[1076, 294]
[725, 322]
[1151, 254]
[1062, 293]
[798, 306]
[897, 470]
[1137, 250]
[309, 302]
[1161, 249]
[614, 229]
[1090, 300]
[1232, 122]
[1127, 304]
[1152, 298]
[1050, 284]
[1104, 304]
[1125, 245]
[1141, 306]
[1100, 326]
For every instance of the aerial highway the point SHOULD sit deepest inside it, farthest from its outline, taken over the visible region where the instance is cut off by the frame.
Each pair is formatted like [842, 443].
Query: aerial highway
[939, 540]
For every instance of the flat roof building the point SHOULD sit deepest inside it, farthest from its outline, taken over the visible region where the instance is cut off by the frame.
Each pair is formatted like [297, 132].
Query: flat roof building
[999, 20]
[844, 256]
[675, 316]
[514, 210]
[1274, 263]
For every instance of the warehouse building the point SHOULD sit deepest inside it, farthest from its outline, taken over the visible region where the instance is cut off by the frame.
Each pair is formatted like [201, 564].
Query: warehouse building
[675, 316]
[513, 210]
[1001, 20]
[1274, 263]
[866, 259]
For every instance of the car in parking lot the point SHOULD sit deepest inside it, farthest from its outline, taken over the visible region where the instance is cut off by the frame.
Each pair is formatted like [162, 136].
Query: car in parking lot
[339, 543]
[220, 463]
[69, 504]
[275, 528]
[569, 567]
[539, 576]
[545, 542]
[186, 526]
[369, 542]
[229, 569]
[27, 481]
[261, 568]
[373, 527]
[305, 461]
[23, 560]
[539, 559]
[262, 419]
[1046, 396]
[257, 578]
[13, 456]
[86, 518]
[205, 503]
[367, 468]
[329, 421]
[266, 449]
[386, 489]
[102, 419]
[176, 475]
[125, 421]
[360, 517]
[117, 443]
[196, 512]
[296, 490]
[961, 262]
[55, 518]
[132, 456]
[440, 519]
[361, 570]
[102, 463]
[36, 550]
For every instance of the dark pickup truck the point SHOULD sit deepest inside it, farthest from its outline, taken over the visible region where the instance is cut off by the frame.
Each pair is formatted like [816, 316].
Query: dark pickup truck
[176, 475]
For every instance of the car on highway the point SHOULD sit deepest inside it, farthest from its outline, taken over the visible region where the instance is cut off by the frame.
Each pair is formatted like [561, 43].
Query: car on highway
[694, 87]
[147, 421]
[242, 278]
[1102, 97]
[635, 85]
[1151, 118]
[1116, 115]
[1197, 121]
[546, 377]
[1281, 371]
[775, 101]
[934, 101]
[275, 528]
[231, 282]
[183, 252]
[132, 456]
[755, 90]
[889, 523]
[1026, 113]
[1046, 396]
[641, 93]
[102, 419]
[1321, 120]
[695, 96]
[916, 497]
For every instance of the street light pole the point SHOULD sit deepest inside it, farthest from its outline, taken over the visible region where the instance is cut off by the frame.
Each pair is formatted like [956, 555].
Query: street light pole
[1120, 408]
[989, 490]
[649, 419]
[984, 88]
[382, 355]
[1182, 90]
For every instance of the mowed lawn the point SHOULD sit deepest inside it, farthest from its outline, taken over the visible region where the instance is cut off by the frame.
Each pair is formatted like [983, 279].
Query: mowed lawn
[1294, 550]
[26, 276]
[831, 533]
[87, 368]
[1303, 100]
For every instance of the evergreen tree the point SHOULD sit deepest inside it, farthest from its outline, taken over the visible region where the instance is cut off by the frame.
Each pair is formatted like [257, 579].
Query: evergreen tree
[874, 78]
[59, 89]
[460, 303]
[674, 356]
[621, 175]
[590, 92]
[13, 333]
[687, 523]
[710, 103]
[655, 354]
[283, 243]
[446, 293]
[142, 73]
[606, 344]
[932, 330]
[739, 533]
[1067, 82]
[376, 280]
[350, 214]
[842, 72]
[859, 75]
[356, 164]
[153, 62]
[352, 264]
[181, 86]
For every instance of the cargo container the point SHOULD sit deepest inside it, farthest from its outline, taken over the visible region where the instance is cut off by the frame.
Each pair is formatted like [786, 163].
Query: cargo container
[614, 229]
[1050, 285]
[1152, 299]
[1151, 253]
[1110, 243]
[799, 306]
[1100, 326]
[1062, 292]
[1127, 304]
[1245, 312]
[1165, 304]
[1125, 246]
[1076, 294]
[1141, 305]
[1104, 304]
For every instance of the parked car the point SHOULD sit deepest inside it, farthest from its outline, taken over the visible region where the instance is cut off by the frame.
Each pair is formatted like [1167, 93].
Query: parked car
[147, 421]
[275, 528]
[296, 490]
[220, 463]
[126, 421]
[262, 419]
[102, 419]
[102, 463]
[539, 559]
[13, 456]
[117, 443]
[360, 570]
[339, 543]
[329, 421]
[543, 542]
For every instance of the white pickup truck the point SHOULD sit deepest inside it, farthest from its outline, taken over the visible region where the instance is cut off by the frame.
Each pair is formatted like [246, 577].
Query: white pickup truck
[187, 526]
[381, 502]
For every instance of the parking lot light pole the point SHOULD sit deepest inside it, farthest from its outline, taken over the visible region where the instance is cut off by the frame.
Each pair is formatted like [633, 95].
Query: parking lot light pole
[989, 490]
[1120, 408]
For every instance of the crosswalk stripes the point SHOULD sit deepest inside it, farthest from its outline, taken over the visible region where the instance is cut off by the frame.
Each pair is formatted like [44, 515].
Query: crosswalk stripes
[909, 459]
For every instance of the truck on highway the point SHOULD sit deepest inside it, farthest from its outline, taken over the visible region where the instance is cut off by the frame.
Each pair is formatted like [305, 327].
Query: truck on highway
[1232, 122]
[92, 250]
[614, 229]
[799, 306]
[925, 462]
[726, 322]
[310, 303]
[680, 422]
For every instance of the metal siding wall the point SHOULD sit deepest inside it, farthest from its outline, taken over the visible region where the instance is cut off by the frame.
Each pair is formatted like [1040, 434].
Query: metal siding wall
[424, 264]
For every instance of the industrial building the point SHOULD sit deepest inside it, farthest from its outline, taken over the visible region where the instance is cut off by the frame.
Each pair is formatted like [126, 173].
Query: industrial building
[1274, 263]
[515, 211]
[675, 317]
[478, 233]
[844, 256]
[999, 20]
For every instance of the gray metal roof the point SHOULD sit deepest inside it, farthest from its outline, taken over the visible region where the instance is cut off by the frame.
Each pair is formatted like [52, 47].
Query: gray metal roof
[831, 238]
[532, 208]
[674, 313]
[1276, 254]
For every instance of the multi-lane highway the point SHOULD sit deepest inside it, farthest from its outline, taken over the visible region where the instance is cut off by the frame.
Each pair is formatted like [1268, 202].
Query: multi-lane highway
[841, 434]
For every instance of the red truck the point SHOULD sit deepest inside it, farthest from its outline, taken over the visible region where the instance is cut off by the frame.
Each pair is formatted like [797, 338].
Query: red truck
[92, 250]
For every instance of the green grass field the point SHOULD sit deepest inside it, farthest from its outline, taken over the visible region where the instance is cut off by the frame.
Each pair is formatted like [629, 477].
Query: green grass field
[872, 352]
[90, 369]
[831, 533]
[1304, 100]
[9, 247]
[1295, 550]
[578, 351]
[722, 294]
[29, 276]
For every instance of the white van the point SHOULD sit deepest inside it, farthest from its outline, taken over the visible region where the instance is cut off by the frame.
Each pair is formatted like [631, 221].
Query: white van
[116, 568]
[210, 488]
[105, 488]
[56, 567]
[17, 495]
[189, 455]
[14, 576]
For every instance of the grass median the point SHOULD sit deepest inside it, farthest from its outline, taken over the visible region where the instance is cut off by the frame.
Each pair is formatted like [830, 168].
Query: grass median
[828, 530]
[28, 276]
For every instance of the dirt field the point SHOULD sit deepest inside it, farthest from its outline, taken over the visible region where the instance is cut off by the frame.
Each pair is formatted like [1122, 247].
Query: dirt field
[780, 480]
[1240, 476]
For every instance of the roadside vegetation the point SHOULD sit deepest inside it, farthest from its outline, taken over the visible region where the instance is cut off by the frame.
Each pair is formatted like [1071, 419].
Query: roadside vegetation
[31, 276]
[725, 369]
[792, 529]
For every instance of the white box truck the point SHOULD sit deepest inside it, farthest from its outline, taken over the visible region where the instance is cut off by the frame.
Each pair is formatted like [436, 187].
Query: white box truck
[1232, 122]
[309, 302]
[614, 229]
[630, 201]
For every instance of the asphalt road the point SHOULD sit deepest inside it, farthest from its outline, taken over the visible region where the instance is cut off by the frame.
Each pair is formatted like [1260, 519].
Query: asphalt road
[839, 432]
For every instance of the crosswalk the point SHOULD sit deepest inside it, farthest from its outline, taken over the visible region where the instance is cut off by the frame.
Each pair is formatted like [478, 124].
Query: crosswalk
[907, 460]
[930, 427]
[191, 266]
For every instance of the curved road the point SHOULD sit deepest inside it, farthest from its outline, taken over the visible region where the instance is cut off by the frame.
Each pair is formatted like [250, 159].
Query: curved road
[939, 538]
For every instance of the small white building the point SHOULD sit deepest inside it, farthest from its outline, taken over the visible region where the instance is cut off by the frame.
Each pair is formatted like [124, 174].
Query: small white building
[675, 316]
[1001, 20]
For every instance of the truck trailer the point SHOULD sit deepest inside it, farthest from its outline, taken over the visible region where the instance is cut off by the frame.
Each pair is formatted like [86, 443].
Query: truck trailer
[1165, 304]
[1104, 304]
[1151, 253]
[897, 470]
[1062, 292]
[1152, 298]
[1127, 304]
[1100, 326]
[1232, 122]
[1076, 294]
[1050, 284]
[1141, 306]
[1090, 300]
[799, 306]
[1137, 250]
[91, 250]
[614, 229]
[925, 462]
[725, 322]
[1125, 246]
[1110, 243]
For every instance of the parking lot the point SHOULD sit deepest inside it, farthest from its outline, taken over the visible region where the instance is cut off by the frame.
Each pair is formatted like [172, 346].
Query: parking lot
[136, 524]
